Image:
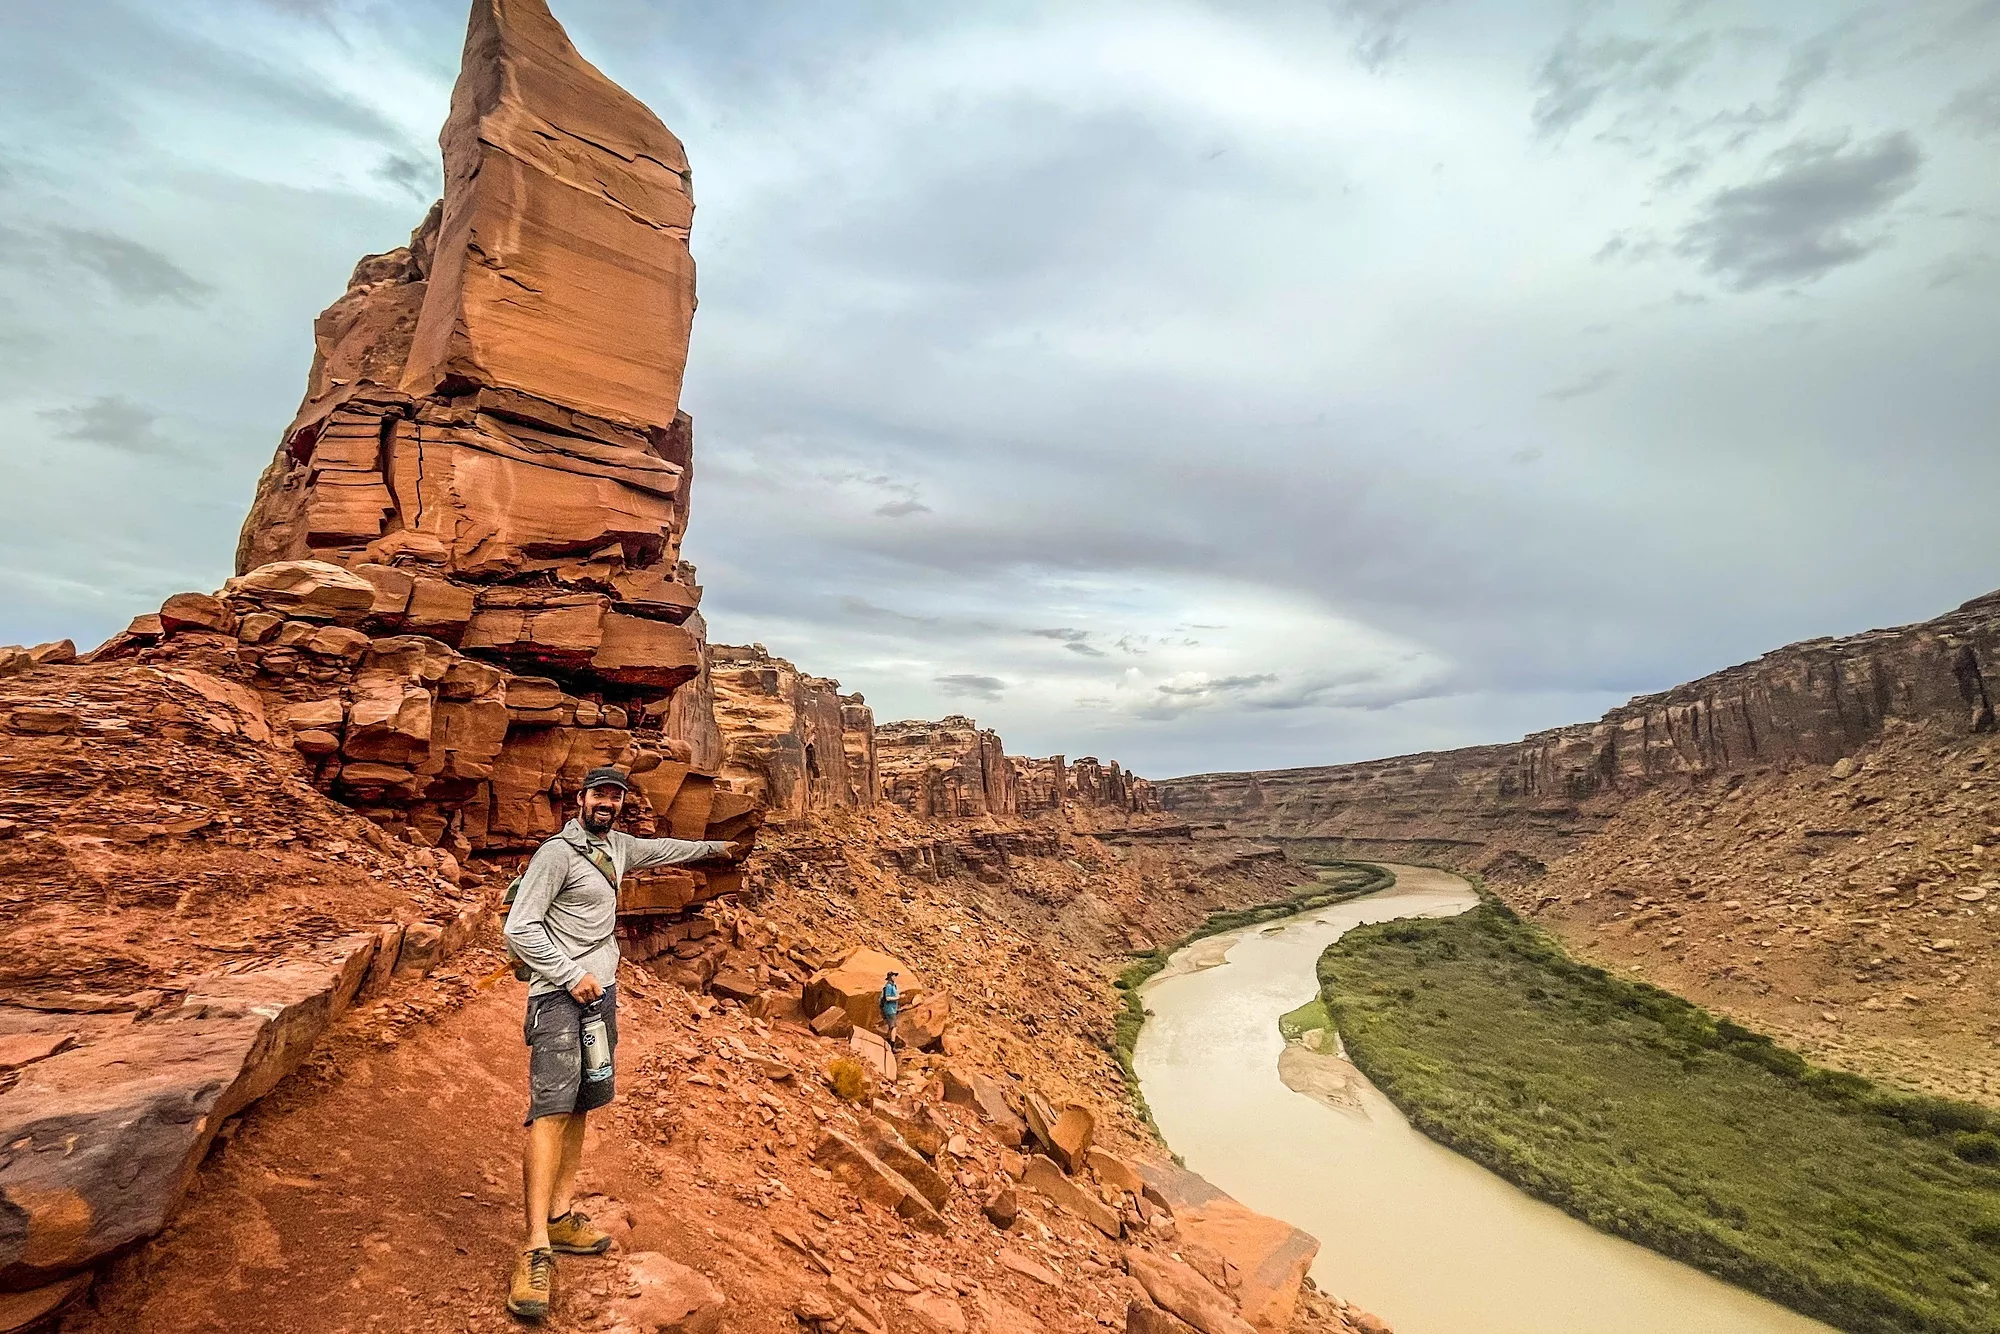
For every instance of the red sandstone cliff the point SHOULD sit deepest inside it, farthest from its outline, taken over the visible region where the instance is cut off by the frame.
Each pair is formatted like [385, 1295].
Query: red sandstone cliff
[1807, 703]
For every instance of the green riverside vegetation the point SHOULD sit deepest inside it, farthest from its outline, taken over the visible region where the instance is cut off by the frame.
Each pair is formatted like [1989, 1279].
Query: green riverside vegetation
[1643, 1115]
[1337, 882]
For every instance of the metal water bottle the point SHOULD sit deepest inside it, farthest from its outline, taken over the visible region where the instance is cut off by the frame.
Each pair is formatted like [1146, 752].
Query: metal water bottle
[596, 1045]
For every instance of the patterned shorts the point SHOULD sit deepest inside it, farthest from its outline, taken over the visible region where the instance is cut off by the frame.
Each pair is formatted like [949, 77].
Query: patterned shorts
[554, 1030]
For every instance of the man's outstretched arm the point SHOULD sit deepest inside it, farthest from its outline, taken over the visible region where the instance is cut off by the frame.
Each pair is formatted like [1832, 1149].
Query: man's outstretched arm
[641, 853]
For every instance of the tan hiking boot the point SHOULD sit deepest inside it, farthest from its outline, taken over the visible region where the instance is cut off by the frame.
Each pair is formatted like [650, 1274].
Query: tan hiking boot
[572, 1234]
[534, 1279]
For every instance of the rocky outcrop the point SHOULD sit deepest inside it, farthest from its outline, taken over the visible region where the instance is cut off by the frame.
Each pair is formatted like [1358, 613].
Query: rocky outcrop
[792, 741]
[951, 769]
[1809, 703]
[459, 586]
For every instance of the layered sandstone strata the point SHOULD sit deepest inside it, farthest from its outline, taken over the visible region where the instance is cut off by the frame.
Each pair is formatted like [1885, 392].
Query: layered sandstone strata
[954, 769]
[460, 582]
[1813, 702]
[949, 769]
[790, 740]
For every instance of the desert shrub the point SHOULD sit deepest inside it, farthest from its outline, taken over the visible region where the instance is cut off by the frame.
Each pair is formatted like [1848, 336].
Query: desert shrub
[849, 1079]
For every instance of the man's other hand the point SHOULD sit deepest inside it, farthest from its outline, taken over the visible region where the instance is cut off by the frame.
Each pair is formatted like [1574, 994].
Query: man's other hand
[586, 989]
[740, 848]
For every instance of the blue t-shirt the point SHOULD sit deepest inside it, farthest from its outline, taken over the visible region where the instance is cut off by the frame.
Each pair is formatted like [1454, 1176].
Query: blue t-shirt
[890, 995]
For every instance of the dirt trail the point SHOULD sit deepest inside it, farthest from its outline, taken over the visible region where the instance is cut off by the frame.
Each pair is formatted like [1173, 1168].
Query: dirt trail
[381, 1199]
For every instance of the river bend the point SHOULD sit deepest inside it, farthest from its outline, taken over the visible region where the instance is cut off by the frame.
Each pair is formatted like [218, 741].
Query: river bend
[1430, 1241]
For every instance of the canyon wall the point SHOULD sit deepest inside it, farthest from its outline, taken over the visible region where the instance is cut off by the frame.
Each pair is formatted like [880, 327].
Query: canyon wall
[1813, 702]
[793, 742]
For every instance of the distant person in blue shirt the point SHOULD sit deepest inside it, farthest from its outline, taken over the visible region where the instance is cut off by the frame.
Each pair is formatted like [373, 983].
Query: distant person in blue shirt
[891, 1002]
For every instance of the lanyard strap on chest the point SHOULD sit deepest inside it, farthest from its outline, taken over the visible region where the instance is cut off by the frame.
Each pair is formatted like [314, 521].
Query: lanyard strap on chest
[605, 866]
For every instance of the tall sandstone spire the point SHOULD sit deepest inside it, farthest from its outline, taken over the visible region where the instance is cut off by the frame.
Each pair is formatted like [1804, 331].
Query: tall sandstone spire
[491, 434]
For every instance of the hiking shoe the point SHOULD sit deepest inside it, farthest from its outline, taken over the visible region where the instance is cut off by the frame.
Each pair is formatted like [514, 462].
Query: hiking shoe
[534, 1277]
[572, 1234]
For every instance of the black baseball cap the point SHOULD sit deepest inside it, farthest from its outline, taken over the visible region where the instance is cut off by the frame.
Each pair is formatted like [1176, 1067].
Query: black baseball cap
[606, 776]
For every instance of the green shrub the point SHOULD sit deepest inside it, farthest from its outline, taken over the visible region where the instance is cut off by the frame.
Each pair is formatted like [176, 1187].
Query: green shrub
[1875, 1210]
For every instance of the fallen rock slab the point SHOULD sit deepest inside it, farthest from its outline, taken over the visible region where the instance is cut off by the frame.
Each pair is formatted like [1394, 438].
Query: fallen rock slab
[1177, 1288]
[22, 1310]
[106, 1136]
[937, 1313]
[1114, 1171]
[19, 1049]
[1047, 1179]
[1271, 1255]
[985, 1096]
[907, 1163]
[874, 1180]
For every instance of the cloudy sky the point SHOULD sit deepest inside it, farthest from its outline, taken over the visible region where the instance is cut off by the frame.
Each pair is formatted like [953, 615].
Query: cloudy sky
[1205, 385]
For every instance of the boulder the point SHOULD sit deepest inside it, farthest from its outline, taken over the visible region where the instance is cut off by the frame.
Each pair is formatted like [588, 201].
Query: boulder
[660, 1296]
[920, 1127]
[438, 608]
[422, 948]
[854, 983]
[972, 1089]
[1047, 1179]
[14, 660]
[1069, 1138]
[309, 590]
[338, 643]
[392, 591]
[874, 1053]
[875, 1181]
[1177, 1288]
[258, 626]
[325, 714]
[1271, 1256]
[937, 1313]
[906, 1162]
[832, 1022]
[733, 984]
[1003, 1208]
[389, 722]
[55, 653]
[197, 611]
[921, 1024]
[315, 743]
[1142, 1317]
[1114, 1171]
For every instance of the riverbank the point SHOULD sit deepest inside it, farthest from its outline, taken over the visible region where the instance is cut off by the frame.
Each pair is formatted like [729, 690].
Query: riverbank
[1641, 1114]
[1337, 883]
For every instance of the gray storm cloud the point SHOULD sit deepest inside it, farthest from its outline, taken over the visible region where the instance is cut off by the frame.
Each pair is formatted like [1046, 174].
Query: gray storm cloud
[1203, 385]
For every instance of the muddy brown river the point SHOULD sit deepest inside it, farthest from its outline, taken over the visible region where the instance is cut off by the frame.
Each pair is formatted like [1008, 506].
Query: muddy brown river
[1430, 1241]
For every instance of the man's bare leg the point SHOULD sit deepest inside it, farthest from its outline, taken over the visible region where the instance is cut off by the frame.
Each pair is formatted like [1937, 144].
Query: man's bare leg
[563, 1196]
[542, 1167]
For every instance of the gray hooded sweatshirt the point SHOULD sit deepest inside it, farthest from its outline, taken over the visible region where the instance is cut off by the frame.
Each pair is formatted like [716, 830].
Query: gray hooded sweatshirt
[564, 914]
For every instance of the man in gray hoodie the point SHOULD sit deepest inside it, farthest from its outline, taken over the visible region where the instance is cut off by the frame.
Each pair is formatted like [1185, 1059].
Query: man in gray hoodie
[562, 925]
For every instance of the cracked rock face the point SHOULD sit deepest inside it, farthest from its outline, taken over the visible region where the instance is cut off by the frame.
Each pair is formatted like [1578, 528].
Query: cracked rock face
[496, 404]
